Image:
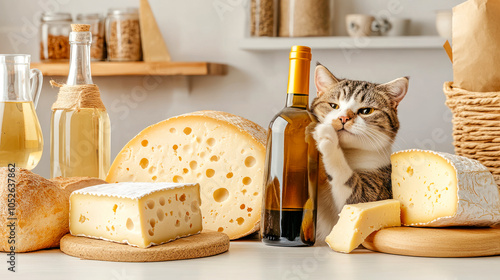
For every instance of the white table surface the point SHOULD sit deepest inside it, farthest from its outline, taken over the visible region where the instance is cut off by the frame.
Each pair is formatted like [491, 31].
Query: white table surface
[254, 260]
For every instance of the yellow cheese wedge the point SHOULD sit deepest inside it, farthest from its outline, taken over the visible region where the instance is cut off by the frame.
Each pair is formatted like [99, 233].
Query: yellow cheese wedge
[439, 189]
[357, 221]
[138, 214]
[222, 152]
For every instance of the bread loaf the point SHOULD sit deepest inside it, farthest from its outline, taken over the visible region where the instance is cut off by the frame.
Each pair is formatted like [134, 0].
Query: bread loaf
[41, 209]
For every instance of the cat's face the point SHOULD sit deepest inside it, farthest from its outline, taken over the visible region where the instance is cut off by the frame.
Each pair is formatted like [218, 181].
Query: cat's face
[364, 114]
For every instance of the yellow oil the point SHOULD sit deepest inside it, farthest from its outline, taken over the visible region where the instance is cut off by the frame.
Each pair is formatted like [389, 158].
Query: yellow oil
[80, 143]
[21, 141]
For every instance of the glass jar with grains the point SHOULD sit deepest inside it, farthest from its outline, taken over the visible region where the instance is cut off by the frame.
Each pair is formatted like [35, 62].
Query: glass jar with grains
[303, 18]
[96, 22]
[54, 32]
[263, 18]
[123, 35]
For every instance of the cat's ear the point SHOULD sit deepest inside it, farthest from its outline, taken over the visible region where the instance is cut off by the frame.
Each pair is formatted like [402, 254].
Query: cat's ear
[397, 89]
[324, 79]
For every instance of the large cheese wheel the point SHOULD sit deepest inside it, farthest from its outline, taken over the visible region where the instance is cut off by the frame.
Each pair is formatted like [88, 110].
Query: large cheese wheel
[222, 152]
[441, 190]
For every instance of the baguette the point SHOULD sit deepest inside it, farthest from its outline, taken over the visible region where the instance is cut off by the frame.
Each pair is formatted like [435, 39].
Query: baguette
[41, 209]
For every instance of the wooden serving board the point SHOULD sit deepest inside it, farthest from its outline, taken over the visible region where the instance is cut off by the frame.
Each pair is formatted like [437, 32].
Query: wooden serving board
[436, 242]
[197, 246]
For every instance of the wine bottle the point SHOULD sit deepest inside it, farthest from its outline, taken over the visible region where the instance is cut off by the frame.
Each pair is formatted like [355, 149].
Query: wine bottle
[80, 127]
[291, 170]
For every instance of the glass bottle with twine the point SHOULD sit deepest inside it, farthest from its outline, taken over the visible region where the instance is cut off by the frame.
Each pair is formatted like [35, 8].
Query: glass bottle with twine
[80, 127]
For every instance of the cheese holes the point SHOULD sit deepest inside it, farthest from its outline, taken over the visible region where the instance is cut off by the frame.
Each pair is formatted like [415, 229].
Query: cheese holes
[211, 142]
[198, 139]
[247, 181]
[242, 206]
[255, 194]
[185, 171]
[144, 163]
[152, 170]
[154, 178]
[160, 214]
[162, 201]
[221, 195]
[177, 223]
[144, 143]
[229, 175]
[210, 173]
[187, 149]
[178, 179]
[240, 221]
[194, 206]
[220, 229]
[150, 204]
[187, 130]
[152, 222]
[130, 224]
[151, 232]
[173, 130]
[193, 164]
[175, 147]
[115, 207]
[214, 158]
[250, 161]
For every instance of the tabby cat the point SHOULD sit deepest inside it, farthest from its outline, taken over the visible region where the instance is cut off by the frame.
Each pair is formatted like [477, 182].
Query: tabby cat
[357, 126]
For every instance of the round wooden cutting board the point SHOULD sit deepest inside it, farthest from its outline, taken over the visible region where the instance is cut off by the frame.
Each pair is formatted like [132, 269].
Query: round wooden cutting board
[197, 246]
[436, 242]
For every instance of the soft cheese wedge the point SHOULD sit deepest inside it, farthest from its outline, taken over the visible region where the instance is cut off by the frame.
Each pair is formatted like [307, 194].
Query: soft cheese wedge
[439, 190]
[357, 221]
[222, 152]
[138, 214]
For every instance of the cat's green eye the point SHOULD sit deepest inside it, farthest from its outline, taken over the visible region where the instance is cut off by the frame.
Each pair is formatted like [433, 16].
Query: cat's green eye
[365, 111]
[334, 106]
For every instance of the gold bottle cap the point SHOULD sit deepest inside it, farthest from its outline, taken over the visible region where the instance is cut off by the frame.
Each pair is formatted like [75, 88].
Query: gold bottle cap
[300, 52]
[80, 27]
[300, 65]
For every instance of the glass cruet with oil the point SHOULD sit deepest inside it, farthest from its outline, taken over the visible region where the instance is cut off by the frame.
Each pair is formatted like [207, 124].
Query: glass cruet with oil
[21, 139]
[80, 127]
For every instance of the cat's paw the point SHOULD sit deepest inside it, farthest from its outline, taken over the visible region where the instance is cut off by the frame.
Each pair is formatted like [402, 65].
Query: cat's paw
[326, 137]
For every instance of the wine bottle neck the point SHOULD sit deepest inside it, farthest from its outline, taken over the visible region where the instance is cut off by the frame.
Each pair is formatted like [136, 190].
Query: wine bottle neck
[297, 100]
[79, 63]
[298, 82]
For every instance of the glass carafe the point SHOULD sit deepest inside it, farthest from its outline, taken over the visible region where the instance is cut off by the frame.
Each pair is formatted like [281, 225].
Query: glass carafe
[21, 140]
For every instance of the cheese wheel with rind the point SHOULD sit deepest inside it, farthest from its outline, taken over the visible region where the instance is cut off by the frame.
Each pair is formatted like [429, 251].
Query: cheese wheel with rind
[440, 190]
[222, 152]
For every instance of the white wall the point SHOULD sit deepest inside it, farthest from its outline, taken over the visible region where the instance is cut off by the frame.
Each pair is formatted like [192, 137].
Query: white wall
[256, 83]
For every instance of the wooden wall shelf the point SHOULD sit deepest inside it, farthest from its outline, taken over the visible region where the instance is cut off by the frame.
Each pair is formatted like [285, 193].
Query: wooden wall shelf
[137, 68]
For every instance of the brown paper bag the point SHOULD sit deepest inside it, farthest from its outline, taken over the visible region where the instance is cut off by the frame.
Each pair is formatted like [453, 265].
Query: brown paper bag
[476, 45]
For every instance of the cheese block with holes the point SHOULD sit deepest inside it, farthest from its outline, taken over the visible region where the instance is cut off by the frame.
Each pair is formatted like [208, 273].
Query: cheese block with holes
[439, 190]
[138, 214]
[222, 152]
[358, 221]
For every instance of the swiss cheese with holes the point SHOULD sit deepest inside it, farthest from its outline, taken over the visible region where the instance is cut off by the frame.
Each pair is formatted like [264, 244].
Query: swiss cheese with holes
[222, 152]
[440, 190]
[139, 214]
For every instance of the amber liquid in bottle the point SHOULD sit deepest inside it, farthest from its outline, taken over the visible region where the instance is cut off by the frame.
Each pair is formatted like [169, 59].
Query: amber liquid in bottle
[289, 214]
[80, 138]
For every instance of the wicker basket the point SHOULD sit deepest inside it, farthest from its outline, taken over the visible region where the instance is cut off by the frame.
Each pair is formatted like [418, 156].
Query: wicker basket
[476, 125]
